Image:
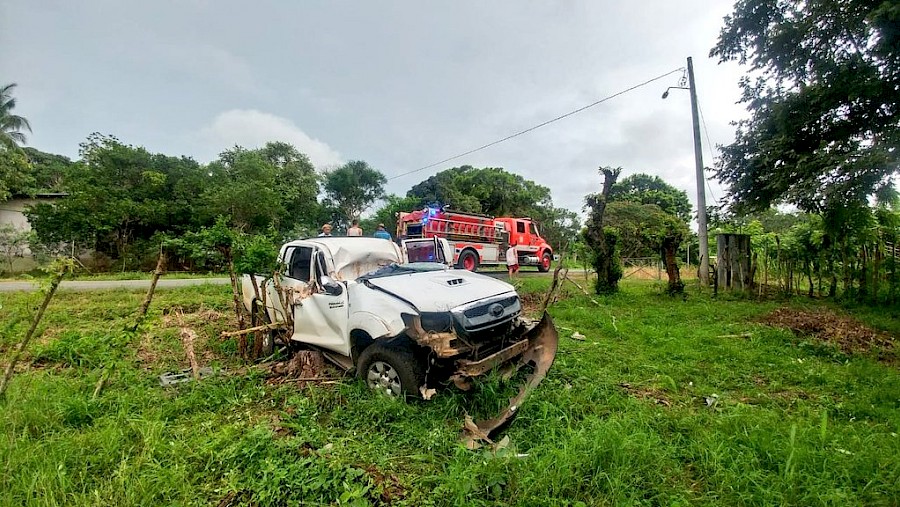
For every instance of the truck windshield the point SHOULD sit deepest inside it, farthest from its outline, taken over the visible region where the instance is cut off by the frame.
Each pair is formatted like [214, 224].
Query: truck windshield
[403, 269]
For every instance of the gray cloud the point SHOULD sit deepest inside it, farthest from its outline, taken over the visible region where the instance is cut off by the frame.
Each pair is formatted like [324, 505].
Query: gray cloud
[400, 84]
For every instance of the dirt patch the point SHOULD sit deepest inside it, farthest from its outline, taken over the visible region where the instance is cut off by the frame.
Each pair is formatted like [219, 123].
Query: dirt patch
[387, 484]
[647, 393]
[531, 302]
[843, 331]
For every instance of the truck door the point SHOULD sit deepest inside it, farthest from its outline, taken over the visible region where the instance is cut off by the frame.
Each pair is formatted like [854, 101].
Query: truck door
[321, 316]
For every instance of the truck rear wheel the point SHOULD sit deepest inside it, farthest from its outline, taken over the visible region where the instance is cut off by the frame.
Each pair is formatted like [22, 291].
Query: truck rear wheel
[544, 265]
[391, 369]
[468, 260]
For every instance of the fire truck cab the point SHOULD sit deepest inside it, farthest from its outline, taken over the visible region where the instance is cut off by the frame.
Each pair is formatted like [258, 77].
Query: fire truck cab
[478, 240]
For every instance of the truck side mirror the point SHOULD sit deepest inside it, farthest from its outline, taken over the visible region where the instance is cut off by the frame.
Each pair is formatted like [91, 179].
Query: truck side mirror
[331, 287]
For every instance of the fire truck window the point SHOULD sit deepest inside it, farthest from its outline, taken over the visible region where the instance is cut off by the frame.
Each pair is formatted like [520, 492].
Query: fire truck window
[520, 227]
[301, 260]
[534, 231]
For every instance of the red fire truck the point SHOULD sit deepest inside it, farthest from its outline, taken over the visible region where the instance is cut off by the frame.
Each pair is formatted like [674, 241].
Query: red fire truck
[478, 240]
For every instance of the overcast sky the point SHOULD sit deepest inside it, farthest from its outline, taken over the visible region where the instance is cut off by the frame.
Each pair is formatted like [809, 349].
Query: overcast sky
[399, 84]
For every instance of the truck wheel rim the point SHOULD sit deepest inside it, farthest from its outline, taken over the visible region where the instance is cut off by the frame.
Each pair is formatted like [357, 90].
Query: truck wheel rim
[469, 262]
[546, 262]
[383, 377]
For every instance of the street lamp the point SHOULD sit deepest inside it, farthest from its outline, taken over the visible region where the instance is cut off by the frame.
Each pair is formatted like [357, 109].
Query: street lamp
[698, 158]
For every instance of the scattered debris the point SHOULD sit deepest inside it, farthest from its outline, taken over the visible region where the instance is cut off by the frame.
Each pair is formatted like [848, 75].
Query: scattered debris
[304, 366]
[741, 335]
[712, 400]
[427, 394]
[185, 375]
[578, 336]
[845, 332]
[389, 485]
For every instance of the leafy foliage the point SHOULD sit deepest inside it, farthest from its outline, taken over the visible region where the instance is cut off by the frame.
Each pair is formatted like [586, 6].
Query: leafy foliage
[823, 99]
[15, 172]
[489, 190]
[646, 189]
[118, 194]
[351, 189]
[11, 125]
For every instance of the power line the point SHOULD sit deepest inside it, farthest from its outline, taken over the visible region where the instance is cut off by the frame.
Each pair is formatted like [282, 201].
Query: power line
[544, 124]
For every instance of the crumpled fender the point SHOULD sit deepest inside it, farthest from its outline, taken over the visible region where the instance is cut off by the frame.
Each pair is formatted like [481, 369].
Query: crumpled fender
[543, 342]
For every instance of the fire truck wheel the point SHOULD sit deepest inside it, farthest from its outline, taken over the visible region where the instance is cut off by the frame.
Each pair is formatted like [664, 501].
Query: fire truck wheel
[468, 260]
[544, 266]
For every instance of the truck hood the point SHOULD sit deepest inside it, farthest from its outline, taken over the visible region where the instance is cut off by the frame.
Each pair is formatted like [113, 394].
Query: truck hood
[438, 291]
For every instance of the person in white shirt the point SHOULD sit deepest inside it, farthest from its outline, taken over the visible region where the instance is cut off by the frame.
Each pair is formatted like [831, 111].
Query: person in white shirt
[355, 229]
[326, 230]
[512, 260]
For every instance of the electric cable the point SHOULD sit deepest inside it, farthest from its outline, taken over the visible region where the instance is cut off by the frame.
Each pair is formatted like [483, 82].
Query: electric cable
[539, 125]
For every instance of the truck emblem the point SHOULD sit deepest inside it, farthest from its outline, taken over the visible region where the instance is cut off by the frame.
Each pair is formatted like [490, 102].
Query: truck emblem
[496, 309]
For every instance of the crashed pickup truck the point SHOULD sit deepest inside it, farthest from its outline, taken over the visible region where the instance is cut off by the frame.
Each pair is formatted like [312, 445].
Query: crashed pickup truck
[400, 315]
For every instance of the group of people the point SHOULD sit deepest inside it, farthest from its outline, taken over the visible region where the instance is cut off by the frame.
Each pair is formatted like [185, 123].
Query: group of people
[356, 230]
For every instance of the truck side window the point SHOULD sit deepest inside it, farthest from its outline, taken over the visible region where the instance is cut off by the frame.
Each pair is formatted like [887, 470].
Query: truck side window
[301, 260]
[520, 227]
[534, 231]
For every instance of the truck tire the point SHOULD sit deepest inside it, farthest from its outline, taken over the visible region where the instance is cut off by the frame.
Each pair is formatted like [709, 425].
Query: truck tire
[468, 260]
[391, 369]
[544, 264]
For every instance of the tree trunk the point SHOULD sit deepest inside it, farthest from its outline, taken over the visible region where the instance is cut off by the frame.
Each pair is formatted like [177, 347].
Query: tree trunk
[238, 304]
[670, 251]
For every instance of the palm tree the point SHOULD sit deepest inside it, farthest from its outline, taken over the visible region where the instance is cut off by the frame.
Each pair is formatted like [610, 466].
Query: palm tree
[11, 125]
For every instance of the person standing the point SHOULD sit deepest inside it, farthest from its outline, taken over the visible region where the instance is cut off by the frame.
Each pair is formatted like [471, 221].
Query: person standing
[512, 260]
[355, 229]
[326, 231]
[381, 233]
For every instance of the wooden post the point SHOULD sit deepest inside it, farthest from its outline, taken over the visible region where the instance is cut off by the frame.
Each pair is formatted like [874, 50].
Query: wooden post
[54, 284]
[160, 269]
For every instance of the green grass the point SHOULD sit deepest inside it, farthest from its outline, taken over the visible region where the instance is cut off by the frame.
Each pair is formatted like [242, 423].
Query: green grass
[622, 418]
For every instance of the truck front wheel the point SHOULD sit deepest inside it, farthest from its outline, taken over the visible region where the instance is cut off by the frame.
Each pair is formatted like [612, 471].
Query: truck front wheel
[391, 369]
[544, 265]
[468, 260]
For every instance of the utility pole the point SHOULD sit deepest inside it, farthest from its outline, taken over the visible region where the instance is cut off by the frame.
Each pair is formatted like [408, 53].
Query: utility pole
[701, 180]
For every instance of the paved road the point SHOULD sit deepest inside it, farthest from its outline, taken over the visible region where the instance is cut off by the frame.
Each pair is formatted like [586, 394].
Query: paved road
[164, 283]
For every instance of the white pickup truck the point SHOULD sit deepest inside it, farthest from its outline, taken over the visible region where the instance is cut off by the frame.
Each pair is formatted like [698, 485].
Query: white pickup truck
[399, 314]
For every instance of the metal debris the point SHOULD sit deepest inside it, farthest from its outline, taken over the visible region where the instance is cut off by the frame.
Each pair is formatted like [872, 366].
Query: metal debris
[185, 375]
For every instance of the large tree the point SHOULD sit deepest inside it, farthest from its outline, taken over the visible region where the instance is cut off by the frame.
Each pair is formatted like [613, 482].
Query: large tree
[489, 190]
[273, 186]
[824, 101]
[647, 189]
[351, 189]
[11, 125]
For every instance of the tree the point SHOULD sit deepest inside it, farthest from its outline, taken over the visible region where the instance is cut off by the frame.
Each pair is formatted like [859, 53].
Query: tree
[119, 194]
[823, 99]
[646, 189]
[600, 240]
[47, 170]
[272, 186]
[352, 188]
[15, 172]
[11, 125]
[490, 190]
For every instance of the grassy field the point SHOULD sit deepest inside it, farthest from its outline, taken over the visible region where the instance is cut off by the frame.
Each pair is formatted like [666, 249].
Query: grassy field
[665, 402]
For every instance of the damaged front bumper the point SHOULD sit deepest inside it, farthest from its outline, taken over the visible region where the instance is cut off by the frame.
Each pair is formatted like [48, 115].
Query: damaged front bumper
[534, 346]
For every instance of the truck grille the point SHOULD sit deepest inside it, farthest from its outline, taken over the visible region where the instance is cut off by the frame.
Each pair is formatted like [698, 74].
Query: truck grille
[488, 314]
